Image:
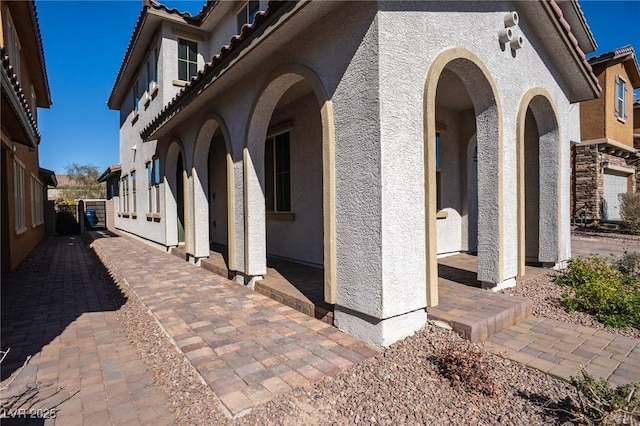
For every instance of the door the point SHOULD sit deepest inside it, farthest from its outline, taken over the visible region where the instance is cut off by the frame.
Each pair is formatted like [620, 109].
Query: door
[614, 184]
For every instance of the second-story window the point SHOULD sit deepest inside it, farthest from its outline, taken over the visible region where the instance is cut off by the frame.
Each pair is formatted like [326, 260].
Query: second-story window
[156, 58]
[187, 59]
[136, 96]
[621, 98]
[248, 13]
[12, 43]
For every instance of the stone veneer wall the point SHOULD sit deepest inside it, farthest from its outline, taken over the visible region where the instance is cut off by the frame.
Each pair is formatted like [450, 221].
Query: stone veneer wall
[589, 177]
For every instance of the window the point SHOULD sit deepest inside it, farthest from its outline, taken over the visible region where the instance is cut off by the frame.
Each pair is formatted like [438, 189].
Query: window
[133, 192]
[153, 190]
[125, 195]
[12, 43]
[37, 208]
[19, 197]
[621, 98]
[278, 173]
[136, 96]
[187, 59]
[155, 63]
[248, 13]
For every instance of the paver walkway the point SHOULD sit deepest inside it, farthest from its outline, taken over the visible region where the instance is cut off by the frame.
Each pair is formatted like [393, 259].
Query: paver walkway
[246, 346]
[56, 310]
[560, 349]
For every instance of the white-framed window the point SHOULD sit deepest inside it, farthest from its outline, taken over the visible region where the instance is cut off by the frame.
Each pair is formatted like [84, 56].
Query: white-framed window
[136, 96]
[621, 98]
[248, 13]
[156, 65]
[278, 173]
[19, 197]
[124, 205]
[133, 192]
[37, 205]
[153, 185]
[12, 43]
[187, 59]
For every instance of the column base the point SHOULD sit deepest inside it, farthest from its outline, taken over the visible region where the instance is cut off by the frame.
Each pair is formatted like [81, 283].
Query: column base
[375, 331]
[508, 283]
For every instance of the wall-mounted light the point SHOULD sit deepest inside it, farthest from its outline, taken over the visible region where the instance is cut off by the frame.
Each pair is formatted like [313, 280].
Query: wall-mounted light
[511, 19]
[14, 147]
[134, 147]
[604, 165]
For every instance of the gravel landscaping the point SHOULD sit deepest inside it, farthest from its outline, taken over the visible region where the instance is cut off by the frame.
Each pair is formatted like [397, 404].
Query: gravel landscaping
[403, 385]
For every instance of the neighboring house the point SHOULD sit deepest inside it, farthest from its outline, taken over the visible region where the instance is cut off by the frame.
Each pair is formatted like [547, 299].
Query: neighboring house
[606, 160]
[111, 178]
[636, 124]
[24, 89]
[365, 138]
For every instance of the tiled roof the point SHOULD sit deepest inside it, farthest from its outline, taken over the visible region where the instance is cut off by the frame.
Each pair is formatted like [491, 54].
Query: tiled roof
[574, 42]
[18, 93]
[614, 54]
[36, 24]
[110, 171]
[627, 55]
[211, 69]
[151, 4]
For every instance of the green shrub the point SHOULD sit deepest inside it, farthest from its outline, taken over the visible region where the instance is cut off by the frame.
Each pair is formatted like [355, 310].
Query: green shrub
[599, 288]
[630, 211]
[600, 403]
[629, 264]
[66, 223]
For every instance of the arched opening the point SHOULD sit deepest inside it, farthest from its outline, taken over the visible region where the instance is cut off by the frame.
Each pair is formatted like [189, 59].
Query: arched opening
[289, 184]
[213, 196]
[463, 160]
[180, 204]
[538, 181]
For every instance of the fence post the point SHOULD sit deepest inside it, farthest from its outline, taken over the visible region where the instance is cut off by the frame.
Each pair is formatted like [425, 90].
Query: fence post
[81, 215]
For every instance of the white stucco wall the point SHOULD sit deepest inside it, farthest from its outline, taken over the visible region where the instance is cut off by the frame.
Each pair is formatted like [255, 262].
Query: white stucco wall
[409, 41]
[301, 239]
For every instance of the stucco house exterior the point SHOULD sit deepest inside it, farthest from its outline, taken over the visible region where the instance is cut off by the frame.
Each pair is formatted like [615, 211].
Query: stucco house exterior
[25, 88]
[363, 138]
[606, 160]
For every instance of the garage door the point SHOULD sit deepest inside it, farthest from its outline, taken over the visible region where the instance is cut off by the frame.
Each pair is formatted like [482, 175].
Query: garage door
[614, 184]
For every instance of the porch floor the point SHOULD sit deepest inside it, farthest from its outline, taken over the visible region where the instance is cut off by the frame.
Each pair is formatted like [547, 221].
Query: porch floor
[472, 312]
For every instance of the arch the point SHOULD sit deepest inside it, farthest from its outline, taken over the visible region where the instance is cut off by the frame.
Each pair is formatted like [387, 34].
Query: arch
[255, 225]
[200, 230]
[174, 151]
[540, 103]
[483, 93]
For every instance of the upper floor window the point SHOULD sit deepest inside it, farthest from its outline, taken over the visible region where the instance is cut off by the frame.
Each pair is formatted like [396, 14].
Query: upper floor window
[621, 98]
[187, 59]
[248, 13]
[278, 173]
[136, 96]
[12, 43]
[156, 58]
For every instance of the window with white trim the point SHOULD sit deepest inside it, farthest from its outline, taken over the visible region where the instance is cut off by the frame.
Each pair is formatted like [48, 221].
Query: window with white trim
[19, 197]
[187, 59]
[12, 43]
[156, 56]
[621, 98]
[125, 194]
[37, 208]
[248, 13]
[136, 96]
[133, 192]
[278, 173]
[153, 185]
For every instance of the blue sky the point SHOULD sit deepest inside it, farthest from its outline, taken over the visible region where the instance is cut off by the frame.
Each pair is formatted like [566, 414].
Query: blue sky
[85, 41]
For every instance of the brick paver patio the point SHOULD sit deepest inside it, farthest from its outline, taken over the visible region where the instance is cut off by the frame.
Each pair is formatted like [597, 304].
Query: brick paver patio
[57, 311]
[560, 349]
[246, 346]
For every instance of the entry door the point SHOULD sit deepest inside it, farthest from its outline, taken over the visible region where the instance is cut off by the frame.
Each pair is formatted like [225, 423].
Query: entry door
[614, 184]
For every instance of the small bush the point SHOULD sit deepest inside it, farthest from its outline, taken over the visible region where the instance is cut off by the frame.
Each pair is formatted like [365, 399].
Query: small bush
[66, 223]
[629, 264]
[630, 211]
[466, 366]
[603, 290]
[600, 403]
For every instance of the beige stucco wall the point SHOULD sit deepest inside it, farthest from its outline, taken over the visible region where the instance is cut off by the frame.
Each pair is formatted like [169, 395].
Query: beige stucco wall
[592, 120]
[616, 129]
